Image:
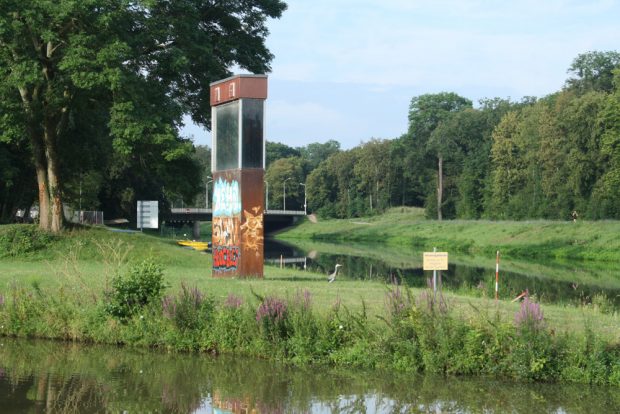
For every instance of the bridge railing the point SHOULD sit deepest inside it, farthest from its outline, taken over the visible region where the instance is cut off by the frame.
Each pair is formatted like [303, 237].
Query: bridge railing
[289, 260]
[193, 210]
[286, 212]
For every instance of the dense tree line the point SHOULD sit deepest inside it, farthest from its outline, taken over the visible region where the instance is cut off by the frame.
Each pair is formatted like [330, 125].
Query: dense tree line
[535, 158]
[115, 130]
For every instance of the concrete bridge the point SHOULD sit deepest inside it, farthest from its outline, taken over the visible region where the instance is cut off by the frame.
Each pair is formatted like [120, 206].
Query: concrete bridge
[273, 219]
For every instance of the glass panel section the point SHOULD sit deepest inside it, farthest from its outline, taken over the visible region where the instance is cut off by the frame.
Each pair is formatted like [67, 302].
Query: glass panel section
[252, 132]
[227, 136]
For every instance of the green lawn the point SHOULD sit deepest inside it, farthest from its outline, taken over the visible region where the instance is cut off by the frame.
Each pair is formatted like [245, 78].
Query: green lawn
[86, 259]
[590, 240]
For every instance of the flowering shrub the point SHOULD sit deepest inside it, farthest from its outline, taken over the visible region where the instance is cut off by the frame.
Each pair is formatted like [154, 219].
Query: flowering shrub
[529, 316]
[397, 302]
[233, 301]
[303, 299]
[189, 310]
[168, 306]
[271, 310]
[431, 300]
[272, 316]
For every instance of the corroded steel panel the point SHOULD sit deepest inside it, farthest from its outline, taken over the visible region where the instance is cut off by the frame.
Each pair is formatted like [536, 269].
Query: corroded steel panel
[252, 222]
[238, 223]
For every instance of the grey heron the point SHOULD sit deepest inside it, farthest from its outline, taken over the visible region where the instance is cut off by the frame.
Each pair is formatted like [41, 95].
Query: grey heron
[332, 276]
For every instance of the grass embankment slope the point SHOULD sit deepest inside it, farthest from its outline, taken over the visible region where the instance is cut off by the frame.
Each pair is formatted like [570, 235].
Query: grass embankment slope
[53, 287]
[587, 240]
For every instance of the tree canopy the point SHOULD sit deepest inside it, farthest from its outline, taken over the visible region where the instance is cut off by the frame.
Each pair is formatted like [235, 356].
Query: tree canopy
[116, 77]
[535, 158]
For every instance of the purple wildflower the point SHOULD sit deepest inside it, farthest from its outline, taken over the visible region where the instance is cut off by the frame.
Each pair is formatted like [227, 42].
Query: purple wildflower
[303, 299]
[1, 300]
[192, 295]
[169, 307]
[233, 301]
[272, 309]
[529, 315]
[396, 302]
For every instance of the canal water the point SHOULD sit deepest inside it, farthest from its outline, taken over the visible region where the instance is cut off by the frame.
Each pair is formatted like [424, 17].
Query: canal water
[551, 281]
[52, 377]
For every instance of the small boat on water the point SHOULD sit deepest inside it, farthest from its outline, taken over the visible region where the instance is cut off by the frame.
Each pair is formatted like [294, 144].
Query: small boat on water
[196, 245]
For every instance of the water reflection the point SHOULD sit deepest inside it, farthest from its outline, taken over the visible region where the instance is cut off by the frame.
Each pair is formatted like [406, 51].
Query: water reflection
[551, 281]
[48, 377]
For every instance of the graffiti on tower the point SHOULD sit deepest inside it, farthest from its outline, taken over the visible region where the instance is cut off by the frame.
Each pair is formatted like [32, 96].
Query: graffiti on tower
[252, 230]
[226, 224]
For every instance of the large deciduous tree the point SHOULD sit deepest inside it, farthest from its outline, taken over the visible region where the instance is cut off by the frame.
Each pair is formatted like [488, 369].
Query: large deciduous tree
[426, 113]
[593, 71]
[144, 63]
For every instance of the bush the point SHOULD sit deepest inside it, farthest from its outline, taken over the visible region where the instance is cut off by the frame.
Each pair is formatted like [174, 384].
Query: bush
[142, 284]
[272, 317]
[604, 305]
[190, 310]
[21, 239]
[530, 316]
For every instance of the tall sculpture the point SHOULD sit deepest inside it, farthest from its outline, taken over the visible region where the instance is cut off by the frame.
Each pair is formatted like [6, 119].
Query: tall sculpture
[238, 167]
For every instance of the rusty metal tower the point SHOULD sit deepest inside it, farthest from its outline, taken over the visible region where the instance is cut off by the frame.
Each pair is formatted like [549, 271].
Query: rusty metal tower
[238, 167]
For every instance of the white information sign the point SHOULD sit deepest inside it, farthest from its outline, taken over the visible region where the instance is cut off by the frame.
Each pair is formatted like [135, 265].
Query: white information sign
[148, 215]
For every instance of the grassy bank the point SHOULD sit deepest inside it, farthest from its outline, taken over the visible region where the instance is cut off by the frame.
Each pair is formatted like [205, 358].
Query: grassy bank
[89, 285]
[589, 240]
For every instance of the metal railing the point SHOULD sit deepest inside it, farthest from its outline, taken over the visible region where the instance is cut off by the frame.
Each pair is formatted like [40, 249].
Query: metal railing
[286, 212]
[87, 217]
[192, 210]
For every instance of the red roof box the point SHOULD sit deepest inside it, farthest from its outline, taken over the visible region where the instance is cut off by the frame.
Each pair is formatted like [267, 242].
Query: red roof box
[237, 87]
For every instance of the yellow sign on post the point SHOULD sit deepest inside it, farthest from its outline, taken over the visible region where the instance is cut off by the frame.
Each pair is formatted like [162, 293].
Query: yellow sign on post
[435, 261]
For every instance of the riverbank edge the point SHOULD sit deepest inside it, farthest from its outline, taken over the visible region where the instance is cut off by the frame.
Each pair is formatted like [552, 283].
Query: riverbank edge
[417, 335]
[539, 240]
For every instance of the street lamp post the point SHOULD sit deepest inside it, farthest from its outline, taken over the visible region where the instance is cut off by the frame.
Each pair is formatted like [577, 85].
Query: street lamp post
[210, 180]
[305, 199]
[266, 195]
[284, 193]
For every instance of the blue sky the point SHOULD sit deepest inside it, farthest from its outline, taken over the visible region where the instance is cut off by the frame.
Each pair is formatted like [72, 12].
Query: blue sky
[347, 69]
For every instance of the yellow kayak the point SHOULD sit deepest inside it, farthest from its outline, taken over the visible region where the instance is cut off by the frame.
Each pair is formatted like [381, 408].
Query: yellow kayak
[196, 245]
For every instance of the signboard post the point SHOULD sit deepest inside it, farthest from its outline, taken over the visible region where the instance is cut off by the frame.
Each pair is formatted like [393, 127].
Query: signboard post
[435, 261]
[148, 215]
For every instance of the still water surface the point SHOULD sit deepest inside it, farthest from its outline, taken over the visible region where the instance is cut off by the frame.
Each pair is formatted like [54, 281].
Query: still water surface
[52, 377]
[551, 281]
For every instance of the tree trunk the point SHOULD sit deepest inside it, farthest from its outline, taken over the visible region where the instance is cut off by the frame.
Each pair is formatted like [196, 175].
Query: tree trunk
[57, 217]
[439, 187]
[40, 166]
[39, 155]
